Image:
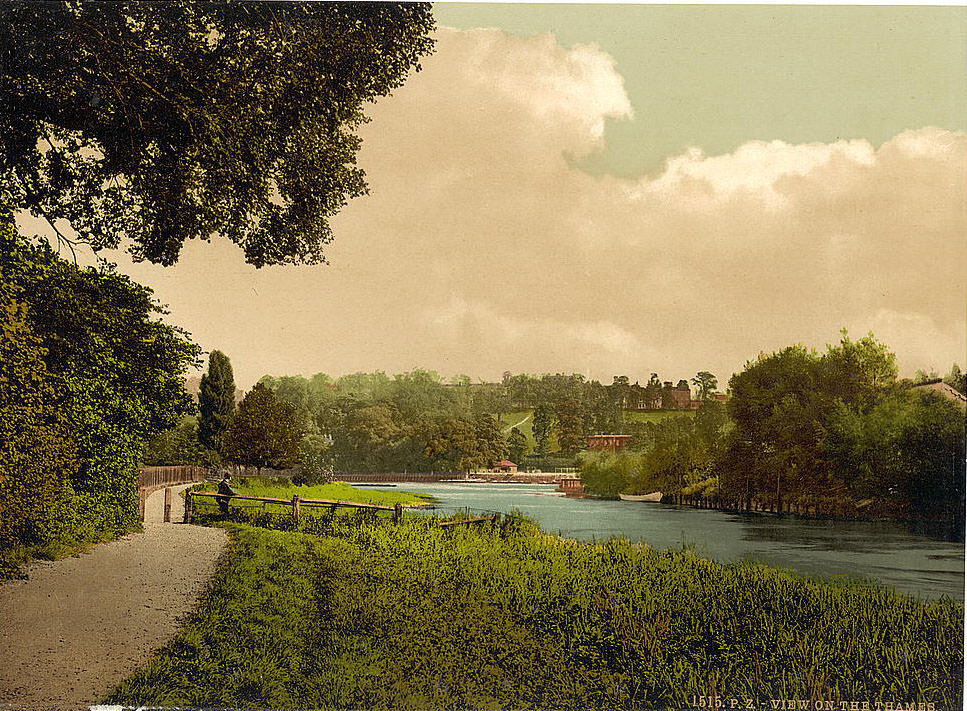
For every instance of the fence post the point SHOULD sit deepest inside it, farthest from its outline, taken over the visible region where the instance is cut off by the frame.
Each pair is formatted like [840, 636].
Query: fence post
[167, 504]
[295, 508]
[142, 496]
[188, 506]
[397, 512]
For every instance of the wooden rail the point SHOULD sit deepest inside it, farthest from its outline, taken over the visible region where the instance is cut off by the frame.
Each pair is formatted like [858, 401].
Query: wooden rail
[494, 518]
[295, 502]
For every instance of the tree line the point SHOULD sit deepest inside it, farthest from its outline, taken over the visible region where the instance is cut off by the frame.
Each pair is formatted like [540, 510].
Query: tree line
[835, 430]
[415, 421]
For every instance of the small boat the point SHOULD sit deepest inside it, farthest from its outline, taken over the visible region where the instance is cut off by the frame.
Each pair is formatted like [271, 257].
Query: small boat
[653, 497]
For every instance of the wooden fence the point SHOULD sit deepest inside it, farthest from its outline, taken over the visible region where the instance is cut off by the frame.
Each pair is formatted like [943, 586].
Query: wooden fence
[824, 511]
[150, 478]
[296, 503]
[153, 477]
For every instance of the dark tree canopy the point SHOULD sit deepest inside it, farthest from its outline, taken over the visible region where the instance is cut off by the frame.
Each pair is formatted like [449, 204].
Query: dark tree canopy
[160, 122]
[216, 400]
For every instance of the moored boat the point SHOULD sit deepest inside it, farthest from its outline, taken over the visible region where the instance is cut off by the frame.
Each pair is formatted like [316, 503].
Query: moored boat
[653, 497]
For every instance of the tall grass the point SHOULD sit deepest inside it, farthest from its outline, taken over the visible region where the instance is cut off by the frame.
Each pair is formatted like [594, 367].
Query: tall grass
[410, 616]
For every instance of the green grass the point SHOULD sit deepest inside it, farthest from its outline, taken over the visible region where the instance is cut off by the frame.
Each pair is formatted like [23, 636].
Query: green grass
[336, 491]
[410, 616]
[655, 415]
[510, 420]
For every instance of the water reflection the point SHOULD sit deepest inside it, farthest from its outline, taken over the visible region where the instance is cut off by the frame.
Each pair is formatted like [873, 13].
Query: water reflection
[884, 552]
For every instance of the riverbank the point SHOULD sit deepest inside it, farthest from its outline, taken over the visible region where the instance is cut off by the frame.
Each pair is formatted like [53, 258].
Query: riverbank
[412, 616]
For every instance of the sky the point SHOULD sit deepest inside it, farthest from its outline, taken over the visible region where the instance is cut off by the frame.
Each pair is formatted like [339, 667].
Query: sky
[628, 189]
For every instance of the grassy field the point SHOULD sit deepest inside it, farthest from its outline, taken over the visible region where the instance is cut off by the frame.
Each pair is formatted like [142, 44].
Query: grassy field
[374, 615]
[655, 415]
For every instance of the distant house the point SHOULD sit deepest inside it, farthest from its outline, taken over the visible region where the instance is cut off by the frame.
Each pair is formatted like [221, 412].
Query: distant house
[609, 442]
[676, 397]
[505, 466]
[939, 386]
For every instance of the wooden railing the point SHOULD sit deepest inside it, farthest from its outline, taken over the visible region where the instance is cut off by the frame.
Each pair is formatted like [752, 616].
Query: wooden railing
[296, 503]
[156, 477]
[153, 477]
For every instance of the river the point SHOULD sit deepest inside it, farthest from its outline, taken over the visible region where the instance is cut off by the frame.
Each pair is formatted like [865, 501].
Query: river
[885, 552]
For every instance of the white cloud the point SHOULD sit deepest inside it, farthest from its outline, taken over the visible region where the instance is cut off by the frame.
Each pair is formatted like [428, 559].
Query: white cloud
[481, 249]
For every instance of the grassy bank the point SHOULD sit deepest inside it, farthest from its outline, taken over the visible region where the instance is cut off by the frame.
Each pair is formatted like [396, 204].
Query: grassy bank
[412, 616]
[281, 488]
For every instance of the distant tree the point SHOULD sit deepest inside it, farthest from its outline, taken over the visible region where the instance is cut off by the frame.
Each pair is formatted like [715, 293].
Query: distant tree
[490, 441]
[956, 379]
[705, 383]
[263, 432]
[516, 445]
[570, 426]
[543, 424]
[315, 456]
[216, 400]
[653, 392]
[178, 446]
[163, 122]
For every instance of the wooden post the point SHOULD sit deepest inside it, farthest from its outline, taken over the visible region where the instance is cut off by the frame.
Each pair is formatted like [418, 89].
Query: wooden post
[295, 508]
[167, 504]
[188, 506]
[142, 496]
[397, 512]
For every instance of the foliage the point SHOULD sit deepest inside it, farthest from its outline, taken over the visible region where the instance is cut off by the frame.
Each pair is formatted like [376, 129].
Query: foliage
[668, 455]
[263, 432]
[706, 383]
[178, 446]
[543, 422]
[117, 374]
[36, 454]
[216, 400]
[164, 122]
[838, 428]
[516, 445]
[412, 616]
[315, 459]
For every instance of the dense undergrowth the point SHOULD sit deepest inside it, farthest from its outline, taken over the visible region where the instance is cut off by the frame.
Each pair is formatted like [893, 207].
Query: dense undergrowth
[360, 616]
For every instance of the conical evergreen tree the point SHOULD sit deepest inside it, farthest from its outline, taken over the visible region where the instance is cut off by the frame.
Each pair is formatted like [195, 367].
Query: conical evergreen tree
[216, 400]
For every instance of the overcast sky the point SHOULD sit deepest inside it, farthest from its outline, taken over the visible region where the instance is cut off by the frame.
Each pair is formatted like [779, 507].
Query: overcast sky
[626, 190]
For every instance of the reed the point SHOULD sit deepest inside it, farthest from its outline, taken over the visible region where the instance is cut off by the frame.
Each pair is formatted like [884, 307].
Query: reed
[361, 613]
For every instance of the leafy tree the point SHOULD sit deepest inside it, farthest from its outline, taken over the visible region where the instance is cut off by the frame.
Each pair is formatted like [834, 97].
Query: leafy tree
[957, 379]
[857, 370]
[122, 372]
[490, 442]
[163, 122]
[315, 456]
[263, 432]
[516, 445]
[178, 446]
[37, 458]
[216, 400]
[570, 426]
[543, 423]
[706, 383]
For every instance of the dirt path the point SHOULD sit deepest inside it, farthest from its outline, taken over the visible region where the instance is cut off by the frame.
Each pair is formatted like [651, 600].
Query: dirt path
[78, 626]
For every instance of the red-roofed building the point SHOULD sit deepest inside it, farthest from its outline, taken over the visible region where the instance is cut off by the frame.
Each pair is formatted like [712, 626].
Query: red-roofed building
[505, 466]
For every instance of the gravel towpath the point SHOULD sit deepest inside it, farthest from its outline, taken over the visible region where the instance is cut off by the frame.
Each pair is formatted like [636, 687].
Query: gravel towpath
[76, 627]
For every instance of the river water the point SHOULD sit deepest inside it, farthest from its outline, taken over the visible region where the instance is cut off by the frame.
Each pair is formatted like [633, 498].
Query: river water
[885, 552]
